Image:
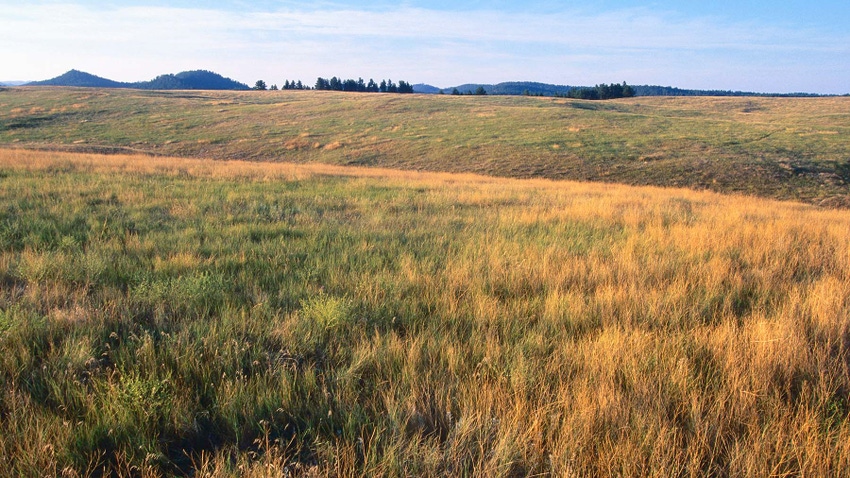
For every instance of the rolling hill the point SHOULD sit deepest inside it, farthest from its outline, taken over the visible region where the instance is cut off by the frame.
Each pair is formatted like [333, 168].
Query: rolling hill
[784, 148]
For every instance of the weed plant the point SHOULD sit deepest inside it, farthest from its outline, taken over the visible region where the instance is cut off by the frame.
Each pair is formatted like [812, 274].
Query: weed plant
[163, 316]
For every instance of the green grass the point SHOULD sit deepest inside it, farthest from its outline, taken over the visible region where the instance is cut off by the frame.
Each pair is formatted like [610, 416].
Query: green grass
[785, 148]
[169, 317]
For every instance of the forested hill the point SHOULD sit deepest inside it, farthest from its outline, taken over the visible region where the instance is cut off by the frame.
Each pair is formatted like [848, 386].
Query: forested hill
[654, 90]
[191, 80]
[81, 79]
[187, 80]
[514, 88]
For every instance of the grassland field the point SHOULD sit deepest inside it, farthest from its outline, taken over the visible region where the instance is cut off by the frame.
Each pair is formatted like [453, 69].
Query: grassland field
[165, 316]
[301, 316]
[783, 148]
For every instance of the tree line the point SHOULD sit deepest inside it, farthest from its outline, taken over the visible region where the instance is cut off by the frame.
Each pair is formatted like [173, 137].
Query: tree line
[600, 92]
[480, 91]
[361, 86]
[287, 85]
[337, 84]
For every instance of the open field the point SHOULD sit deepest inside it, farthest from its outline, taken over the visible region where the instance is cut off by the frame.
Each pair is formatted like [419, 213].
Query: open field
[190, 317]
[784, 148]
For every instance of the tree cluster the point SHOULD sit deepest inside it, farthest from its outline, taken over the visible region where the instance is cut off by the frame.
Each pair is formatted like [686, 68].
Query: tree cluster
[601, 92]
[287, 85]
[293, 85]
[480, 91]
[361, 86]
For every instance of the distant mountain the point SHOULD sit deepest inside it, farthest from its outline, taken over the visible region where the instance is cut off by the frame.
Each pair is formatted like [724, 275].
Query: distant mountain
[187, 80]
[79, 78]
[13, 83]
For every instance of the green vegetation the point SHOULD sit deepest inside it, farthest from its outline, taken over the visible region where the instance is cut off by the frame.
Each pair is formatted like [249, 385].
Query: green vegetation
[360, 86]
[601, 92]
[165, 316]
[786, 148]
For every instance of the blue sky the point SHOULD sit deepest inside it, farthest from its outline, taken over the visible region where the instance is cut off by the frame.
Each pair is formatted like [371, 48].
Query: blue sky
[778, 47]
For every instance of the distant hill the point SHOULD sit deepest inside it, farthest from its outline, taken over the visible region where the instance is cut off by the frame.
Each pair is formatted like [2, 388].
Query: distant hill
[427, 89]
[546, 89]
[513, 88]
[654, 90]
[208, 80]
[13, 83]
[187, 80]
[80, 79]
[191, 80]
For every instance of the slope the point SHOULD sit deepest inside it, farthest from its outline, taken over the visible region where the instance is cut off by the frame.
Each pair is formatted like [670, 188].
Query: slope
[788, 148]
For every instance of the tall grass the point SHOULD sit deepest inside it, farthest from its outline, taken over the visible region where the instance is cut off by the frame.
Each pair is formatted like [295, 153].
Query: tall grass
[165, 316]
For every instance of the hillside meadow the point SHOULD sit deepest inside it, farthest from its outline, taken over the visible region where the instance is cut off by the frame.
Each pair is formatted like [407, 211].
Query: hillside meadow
[164, 316]
[782, 148]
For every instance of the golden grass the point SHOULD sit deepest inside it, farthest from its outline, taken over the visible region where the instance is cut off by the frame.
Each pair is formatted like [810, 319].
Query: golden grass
[574, 329]
[102, 164]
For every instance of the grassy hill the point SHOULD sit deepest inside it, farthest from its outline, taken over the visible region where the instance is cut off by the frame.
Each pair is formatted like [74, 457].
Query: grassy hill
[167, 316]
[786, 148]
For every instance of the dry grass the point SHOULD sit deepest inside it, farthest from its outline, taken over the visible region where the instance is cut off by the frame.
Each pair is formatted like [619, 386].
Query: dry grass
[390, 323]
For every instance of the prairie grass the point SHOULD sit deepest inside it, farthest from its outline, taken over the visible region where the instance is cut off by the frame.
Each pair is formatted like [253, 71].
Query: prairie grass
[784, 148]
[164, 316]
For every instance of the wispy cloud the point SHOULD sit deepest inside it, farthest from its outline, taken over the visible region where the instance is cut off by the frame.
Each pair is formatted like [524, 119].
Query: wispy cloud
[442, 47]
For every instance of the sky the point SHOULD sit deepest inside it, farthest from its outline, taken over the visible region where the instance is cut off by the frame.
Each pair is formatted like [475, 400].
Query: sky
[762, 46]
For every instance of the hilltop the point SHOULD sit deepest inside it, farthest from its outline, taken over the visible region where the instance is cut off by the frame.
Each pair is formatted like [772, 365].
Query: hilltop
[187, 80]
